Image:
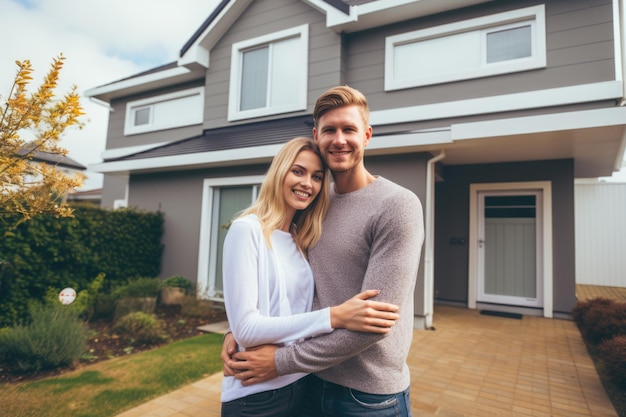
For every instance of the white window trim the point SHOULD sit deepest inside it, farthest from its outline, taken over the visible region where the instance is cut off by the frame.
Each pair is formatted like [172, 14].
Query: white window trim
[301, 32]
[206, 280]
[131, 106]
[534, 15]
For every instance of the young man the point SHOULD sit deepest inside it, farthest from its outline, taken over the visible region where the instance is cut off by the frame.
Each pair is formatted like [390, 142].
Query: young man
[371, 239]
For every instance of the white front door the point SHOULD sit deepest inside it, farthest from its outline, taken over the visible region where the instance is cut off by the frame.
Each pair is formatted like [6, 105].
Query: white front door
[509, 243]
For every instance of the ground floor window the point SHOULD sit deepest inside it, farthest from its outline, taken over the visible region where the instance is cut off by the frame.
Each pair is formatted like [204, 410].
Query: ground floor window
[222, 200]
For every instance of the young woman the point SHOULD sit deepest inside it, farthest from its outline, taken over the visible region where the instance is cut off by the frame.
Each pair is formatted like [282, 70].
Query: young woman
[268, 283]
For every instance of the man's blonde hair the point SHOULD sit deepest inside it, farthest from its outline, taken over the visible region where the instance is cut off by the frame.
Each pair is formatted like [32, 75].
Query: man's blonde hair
[341, 96]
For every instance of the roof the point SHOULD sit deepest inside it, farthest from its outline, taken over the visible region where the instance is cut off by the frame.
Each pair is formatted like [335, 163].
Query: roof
[341, 16]
[52, 159]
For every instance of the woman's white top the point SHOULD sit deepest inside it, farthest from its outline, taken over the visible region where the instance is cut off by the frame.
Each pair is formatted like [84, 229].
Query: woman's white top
[268, 294]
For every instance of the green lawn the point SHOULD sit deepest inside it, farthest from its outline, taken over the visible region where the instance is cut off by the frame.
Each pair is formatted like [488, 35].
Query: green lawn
[107, 388]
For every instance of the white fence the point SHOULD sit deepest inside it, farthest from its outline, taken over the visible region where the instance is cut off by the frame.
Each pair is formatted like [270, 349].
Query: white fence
[601, 233]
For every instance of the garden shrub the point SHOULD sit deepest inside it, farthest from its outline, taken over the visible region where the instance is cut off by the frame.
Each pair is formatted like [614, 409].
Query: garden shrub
[55, 337]
[46, 252]
[613, 357]
[84, 304]
[178, 282]
[600, 319]
[138, 294]
[142, 327]
[127, 305]
[140, 287]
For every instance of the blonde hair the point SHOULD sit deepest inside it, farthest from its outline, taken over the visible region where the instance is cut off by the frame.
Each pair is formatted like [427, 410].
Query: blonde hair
[341, 96]
[270, 207]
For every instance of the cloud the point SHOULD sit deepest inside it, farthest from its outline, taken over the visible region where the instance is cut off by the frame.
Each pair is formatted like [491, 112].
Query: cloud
[102, 42]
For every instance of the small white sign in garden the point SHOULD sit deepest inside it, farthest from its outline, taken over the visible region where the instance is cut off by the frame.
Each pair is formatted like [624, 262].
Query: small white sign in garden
[67, 296]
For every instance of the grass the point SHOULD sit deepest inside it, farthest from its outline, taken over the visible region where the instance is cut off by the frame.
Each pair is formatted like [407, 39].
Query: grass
[107, 388]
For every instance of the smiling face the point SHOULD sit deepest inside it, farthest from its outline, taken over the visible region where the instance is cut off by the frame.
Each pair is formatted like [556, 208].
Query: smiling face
[342, 136]
[303, 182]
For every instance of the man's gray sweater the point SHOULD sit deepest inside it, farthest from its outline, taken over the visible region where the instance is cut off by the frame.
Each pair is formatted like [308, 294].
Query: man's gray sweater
[372, 239]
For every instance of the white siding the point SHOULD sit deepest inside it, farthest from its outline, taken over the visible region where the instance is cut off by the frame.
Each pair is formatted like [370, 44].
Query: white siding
[601, 234]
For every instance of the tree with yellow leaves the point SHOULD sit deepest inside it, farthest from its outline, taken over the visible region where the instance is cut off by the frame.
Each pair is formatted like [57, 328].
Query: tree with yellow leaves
[27, 187]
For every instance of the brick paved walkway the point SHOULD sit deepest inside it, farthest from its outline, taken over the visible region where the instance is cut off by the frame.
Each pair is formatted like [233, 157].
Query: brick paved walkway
[472, 365]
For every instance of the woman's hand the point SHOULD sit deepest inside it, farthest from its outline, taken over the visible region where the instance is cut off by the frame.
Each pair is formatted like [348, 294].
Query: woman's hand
[364, 315]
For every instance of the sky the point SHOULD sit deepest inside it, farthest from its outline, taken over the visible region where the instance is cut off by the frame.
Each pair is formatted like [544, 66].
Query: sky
[102, 41]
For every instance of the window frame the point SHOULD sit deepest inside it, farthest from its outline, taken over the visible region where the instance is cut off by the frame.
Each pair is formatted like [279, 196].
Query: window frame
[207, 249]
[236, 67]
[534, 15]
[192, 117]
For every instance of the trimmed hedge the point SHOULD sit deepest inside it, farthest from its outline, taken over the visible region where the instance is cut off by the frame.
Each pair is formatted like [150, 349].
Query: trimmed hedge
[48, 252]
[600, 319]
[602, 324]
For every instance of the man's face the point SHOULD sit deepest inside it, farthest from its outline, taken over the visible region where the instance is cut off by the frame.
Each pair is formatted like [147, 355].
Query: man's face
[342, 136]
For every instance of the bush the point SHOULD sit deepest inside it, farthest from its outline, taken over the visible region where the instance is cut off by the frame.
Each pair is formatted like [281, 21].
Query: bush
[600, 319]
[85, 303]
[179, 282]
[140, 287]
[127, 305]
[54, 338]
[143, 327]
[47, 252]
[613, 357]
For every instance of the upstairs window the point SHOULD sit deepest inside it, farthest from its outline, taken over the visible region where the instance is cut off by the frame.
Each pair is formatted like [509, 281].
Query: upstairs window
[181, 108]
[496, 44]
[269, 74]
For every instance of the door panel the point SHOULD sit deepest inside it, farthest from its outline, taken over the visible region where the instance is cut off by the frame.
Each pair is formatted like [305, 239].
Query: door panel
[508, 270]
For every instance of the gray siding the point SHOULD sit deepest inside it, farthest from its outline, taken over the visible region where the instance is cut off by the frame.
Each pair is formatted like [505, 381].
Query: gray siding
[451, 221]
[179, 196]
[113, 188]
[579, 43]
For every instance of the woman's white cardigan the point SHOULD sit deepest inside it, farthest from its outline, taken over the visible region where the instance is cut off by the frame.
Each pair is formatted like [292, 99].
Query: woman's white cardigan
[268, 294]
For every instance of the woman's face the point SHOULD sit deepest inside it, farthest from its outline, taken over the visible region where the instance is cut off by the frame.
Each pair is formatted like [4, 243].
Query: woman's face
[304, 181]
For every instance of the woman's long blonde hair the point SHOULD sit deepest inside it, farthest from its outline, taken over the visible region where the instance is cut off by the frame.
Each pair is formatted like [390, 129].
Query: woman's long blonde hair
[271, 208]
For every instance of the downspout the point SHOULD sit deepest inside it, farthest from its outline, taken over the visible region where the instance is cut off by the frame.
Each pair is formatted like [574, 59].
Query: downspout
[619, 35]
[429, 241]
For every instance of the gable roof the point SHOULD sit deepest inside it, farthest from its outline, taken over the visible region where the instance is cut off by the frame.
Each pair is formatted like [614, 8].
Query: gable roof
[50, 158]
[341, 16]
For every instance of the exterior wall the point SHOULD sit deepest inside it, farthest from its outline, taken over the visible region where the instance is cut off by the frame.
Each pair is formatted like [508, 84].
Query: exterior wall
[179, 196]
[264, 17]
[451, 221]
[579, 45]
[601, 234]
[113, 188]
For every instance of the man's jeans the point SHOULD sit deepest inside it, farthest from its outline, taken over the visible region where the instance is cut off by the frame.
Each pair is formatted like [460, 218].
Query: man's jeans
[325, 399]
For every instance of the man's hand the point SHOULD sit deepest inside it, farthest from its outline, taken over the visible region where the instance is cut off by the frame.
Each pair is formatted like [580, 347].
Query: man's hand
[254, 365]
[229, 347]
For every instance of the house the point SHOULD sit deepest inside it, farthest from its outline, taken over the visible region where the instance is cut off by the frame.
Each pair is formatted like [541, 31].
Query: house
[487, 110]
[93, 196]
[62, 163]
